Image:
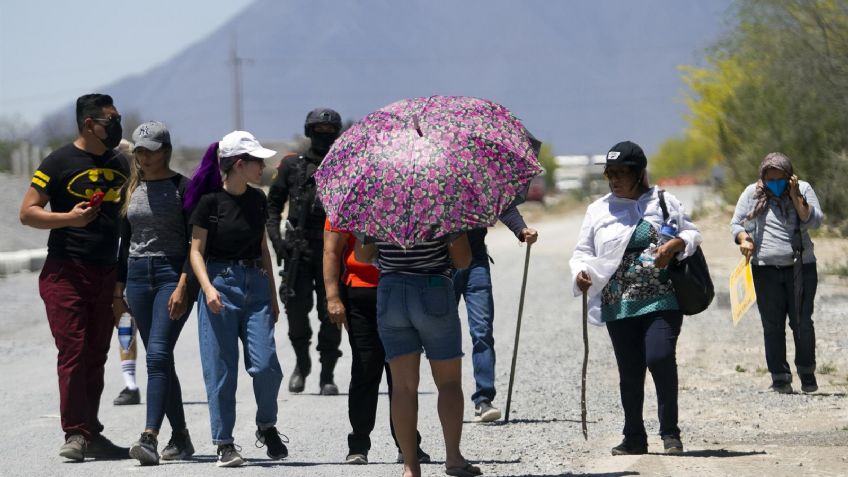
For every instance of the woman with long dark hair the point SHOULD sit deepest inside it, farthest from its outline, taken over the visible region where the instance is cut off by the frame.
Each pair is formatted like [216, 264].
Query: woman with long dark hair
[153, 271]
[229, 255]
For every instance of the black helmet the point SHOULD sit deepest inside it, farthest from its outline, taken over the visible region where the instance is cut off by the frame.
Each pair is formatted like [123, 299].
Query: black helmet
[321, 116]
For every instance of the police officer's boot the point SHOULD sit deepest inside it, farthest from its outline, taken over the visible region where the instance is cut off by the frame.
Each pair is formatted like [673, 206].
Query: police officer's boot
[328, 366]
[297, 382]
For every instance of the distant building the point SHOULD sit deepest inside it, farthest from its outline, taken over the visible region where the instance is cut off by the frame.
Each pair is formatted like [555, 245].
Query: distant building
[574, 171]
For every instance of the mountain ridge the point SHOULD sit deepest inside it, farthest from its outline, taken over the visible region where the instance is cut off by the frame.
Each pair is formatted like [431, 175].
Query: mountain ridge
[580, 74]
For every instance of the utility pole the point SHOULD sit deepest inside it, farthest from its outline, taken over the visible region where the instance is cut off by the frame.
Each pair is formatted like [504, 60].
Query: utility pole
[236, 63]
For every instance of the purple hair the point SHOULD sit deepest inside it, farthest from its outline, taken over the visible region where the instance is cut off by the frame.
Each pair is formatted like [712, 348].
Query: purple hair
[206, 179]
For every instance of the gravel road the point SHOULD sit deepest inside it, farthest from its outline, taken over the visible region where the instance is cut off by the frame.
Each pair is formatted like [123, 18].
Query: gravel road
[732, 424]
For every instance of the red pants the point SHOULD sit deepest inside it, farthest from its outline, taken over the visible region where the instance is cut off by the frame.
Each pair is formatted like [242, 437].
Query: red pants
[78, 298]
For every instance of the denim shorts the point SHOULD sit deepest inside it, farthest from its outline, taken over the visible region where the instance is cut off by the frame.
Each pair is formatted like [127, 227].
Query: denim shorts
[416, 312]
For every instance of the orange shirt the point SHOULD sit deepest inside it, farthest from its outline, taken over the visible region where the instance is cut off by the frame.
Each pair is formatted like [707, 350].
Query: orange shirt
[356, 274]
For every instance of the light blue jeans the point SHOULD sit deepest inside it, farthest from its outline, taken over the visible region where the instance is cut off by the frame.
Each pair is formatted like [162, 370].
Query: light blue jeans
[416, 312]
[246, 295]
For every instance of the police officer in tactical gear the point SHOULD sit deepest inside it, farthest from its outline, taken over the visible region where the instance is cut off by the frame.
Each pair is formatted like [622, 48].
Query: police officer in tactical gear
[301, 250]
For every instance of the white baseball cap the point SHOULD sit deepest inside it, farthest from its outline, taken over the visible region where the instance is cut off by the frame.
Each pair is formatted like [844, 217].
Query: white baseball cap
[237, 143]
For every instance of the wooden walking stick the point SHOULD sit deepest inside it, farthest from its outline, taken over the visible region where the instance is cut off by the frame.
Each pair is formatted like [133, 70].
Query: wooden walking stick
[585, 364]
[517, 332]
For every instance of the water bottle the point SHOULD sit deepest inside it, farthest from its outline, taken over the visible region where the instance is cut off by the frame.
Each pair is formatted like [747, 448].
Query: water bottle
[125, 331]
[668, 231]
[648, 256]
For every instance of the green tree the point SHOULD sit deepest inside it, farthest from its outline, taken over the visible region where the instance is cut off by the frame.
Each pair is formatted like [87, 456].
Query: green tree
[778, 81]
[546, 159]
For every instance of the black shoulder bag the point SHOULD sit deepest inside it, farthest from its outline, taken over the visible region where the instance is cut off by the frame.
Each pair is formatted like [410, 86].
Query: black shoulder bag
[690, 277]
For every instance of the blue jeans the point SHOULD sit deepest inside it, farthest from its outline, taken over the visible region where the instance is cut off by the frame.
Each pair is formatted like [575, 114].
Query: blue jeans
[475, 284]
[246, 295]
[150, 283]
[416, 312]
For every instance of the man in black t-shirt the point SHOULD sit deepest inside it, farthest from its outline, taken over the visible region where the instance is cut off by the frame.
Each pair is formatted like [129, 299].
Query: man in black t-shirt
[82, 183]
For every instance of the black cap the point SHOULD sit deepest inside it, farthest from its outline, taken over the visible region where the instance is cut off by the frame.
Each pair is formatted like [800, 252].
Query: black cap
[627, 153]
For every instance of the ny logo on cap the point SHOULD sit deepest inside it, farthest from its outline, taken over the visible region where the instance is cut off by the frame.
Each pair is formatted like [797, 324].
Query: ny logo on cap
[143, 131]
[613, 155]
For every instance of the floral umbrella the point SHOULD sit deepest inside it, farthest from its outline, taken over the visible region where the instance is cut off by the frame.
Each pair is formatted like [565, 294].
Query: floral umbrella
[422, 168]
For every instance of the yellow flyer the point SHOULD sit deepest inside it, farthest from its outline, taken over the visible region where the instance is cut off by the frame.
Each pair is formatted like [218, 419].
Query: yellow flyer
[742, 294]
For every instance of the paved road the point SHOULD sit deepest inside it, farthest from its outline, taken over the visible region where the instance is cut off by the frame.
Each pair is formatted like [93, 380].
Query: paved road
[732, 425]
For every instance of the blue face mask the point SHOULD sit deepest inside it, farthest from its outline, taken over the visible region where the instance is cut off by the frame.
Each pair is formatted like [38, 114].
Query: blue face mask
[776, 186]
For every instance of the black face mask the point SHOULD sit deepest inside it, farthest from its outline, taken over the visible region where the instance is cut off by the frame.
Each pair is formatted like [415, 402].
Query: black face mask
[321, 142]
[114, 132]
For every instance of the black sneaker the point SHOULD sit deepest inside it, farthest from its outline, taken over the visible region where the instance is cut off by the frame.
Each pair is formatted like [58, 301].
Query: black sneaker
[329, 389]
[179, 447]
[808, 383]
[270, 438]
[145, 449]
[782, 387]
[100, 447]
[297, 381]
[423, 457]
[228, 456]
[630, 448]
[74, 448]
[128, 396]
[672, 445]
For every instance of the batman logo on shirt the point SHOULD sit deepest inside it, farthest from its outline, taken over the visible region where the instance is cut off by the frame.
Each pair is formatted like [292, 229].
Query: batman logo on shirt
[108, 181]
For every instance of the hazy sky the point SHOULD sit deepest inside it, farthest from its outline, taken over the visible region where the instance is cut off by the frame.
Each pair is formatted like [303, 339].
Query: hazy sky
[52, 51]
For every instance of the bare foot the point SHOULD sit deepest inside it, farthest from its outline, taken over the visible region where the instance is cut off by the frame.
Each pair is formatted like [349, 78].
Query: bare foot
[411, 471]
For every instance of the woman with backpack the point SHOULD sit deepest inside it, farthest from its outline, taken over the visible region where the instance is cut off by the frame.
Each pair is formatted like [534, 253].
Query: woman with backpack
[237, 302]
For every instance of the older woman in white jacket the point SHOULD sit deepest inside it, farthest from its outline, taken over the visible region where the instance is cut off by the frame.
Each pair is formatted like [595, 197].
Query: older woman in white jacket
[620, 261]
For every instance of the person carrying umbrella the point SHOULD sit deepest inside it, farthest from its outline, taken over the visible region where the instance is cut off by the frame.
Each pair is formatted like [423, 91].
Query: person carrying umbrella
[620, 261]
[415, 312]
[771, 225]
[409, 180]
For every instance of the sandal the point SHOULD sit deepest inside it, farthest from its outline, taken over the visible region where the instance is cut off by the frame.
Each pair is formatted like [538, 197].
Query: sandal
[466, 470]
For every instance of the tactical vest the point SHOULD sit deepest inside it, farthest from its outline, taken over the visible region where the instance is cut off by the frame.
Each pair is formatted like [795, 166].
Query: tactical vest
[303, 194]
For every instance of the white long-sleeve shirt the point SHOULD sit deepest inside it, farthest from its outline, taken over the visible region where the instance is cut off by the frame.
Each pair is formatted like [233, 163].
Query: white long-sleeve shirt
[607, 227]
